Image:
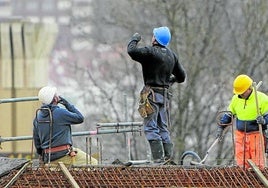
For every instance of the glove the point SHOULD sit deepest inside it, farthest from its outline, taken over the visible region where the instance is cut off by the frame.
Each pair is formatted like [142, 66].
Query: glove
[136, 37]
[63, 101]
[226, 119]
[261, 120]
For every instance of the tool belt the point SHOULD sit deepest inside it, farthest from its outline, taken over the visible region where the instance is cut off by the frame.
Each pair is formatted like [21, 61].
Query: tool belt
[57, 152]
[163, 91]
[57, 149]
[145, 108]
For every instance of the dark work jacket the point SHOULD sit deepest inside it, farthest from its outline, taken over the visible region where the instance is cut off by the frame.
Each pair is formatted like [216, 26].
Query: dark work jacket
[62, 119]
[244, 125]
[158, 64]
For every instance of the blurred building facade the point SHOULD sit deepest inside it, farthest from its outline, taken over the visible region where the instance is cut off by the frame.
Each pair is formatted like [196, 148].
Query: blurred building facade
[29, 31]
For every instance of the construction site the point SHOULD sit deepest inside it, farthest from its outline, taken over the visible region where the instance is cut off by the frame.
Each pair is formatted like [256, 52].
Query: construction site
[21, 172]
[25, 173]
[94, 72]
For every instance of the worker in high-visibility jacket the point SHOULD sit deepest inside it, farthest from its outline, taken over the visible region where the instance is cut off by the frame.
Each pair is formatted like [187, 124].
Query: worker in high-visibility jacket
[249, 138]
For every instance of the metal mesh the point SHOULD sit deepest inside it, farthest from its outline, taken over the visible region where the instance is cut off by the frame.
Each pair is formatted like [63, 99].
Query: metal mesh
[137, 176]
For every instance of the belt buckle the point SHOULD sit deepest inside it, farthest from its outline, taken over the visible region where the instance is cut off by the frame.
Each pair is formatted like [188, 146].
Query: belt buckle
[71, 152]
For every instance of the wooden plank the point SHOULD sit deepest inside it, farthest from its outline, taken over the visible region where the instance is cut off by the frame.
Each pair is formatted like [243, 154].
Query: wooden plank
[258, 173]
[18, 58]
[5, 55]
[68, 175]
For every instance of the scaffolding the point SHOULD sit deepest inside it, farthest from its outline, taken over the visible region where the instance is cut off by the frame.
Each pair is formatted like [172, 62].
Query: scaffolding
[101, 128]
[135, 175]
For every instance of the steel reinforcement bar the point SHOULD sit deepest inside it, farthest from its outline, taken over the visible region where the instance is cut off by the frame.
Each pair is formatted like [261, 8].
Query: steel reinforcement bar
[116, 176]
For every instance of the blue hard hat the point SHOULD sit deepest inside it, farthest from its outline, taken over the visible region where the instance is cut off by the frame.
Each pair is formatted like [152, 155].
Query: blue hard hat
[162, 35]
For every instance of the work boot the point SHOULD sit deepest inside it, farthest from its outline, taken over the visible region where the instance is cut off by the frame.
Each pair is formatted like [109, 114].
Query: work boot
[168, 149]
[157, 150]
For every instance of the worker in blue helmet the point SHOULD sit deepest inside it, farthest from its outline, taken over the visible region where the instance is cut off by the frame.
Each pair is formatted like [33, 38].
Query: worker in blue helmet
[162, 35]
[160, 69]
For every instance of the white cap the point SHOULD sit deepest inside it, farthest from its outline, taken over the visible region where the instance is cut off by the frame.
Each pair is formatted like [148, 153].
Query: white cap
[46, 94]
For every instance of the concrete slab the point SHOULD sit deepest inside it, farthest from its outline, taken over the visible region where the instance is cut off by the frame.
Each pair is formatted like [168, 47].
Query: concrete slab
[9, 164]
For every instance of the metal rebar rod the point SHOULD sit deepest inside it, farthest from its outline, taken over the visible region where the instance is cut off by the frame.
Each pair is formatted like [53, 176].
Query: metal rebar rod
[15, 178]
[21, 99]
[119, 124]
[82, 133]
[106, 131]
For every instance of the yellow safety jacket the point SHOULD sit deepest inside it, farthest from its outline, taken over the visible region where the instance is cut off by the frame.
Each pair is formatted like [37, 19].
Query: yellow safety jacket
[245, 111]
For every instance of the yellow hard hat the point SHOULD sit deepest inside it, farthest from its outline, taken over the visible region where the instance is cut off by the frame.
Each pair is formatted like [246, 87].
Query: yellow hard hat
[241, 84]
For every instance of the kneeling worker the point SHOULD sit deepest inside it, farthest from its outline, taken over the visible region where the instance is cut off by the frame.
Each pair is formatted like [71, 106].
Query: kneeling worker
[52, 130]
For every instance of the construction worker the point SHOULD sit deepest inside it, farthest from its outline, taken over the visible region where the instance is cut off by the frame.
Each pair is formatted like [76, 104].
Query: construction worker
[52, 130]
[160, 68]
[249, 139]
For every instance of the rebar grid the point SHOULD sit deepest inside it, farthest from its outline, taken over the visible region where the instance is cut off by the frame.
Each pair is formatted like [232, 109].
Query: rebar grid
[41, 177]
[139, 176]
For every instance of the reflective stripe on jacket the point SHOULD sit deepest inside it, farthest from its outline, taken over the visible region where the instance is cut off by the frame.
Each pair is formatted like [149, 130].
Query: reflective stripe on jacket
[246, 111]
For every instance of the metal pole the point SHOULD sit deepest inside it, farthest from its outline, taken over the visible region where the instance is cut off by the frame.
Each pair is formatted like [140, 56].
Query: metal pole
[260, 125]
[84, 133]
[87, 150]
[119, 124]
[21, 99]
[13, 90]
[13, 107]
[127, 135]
